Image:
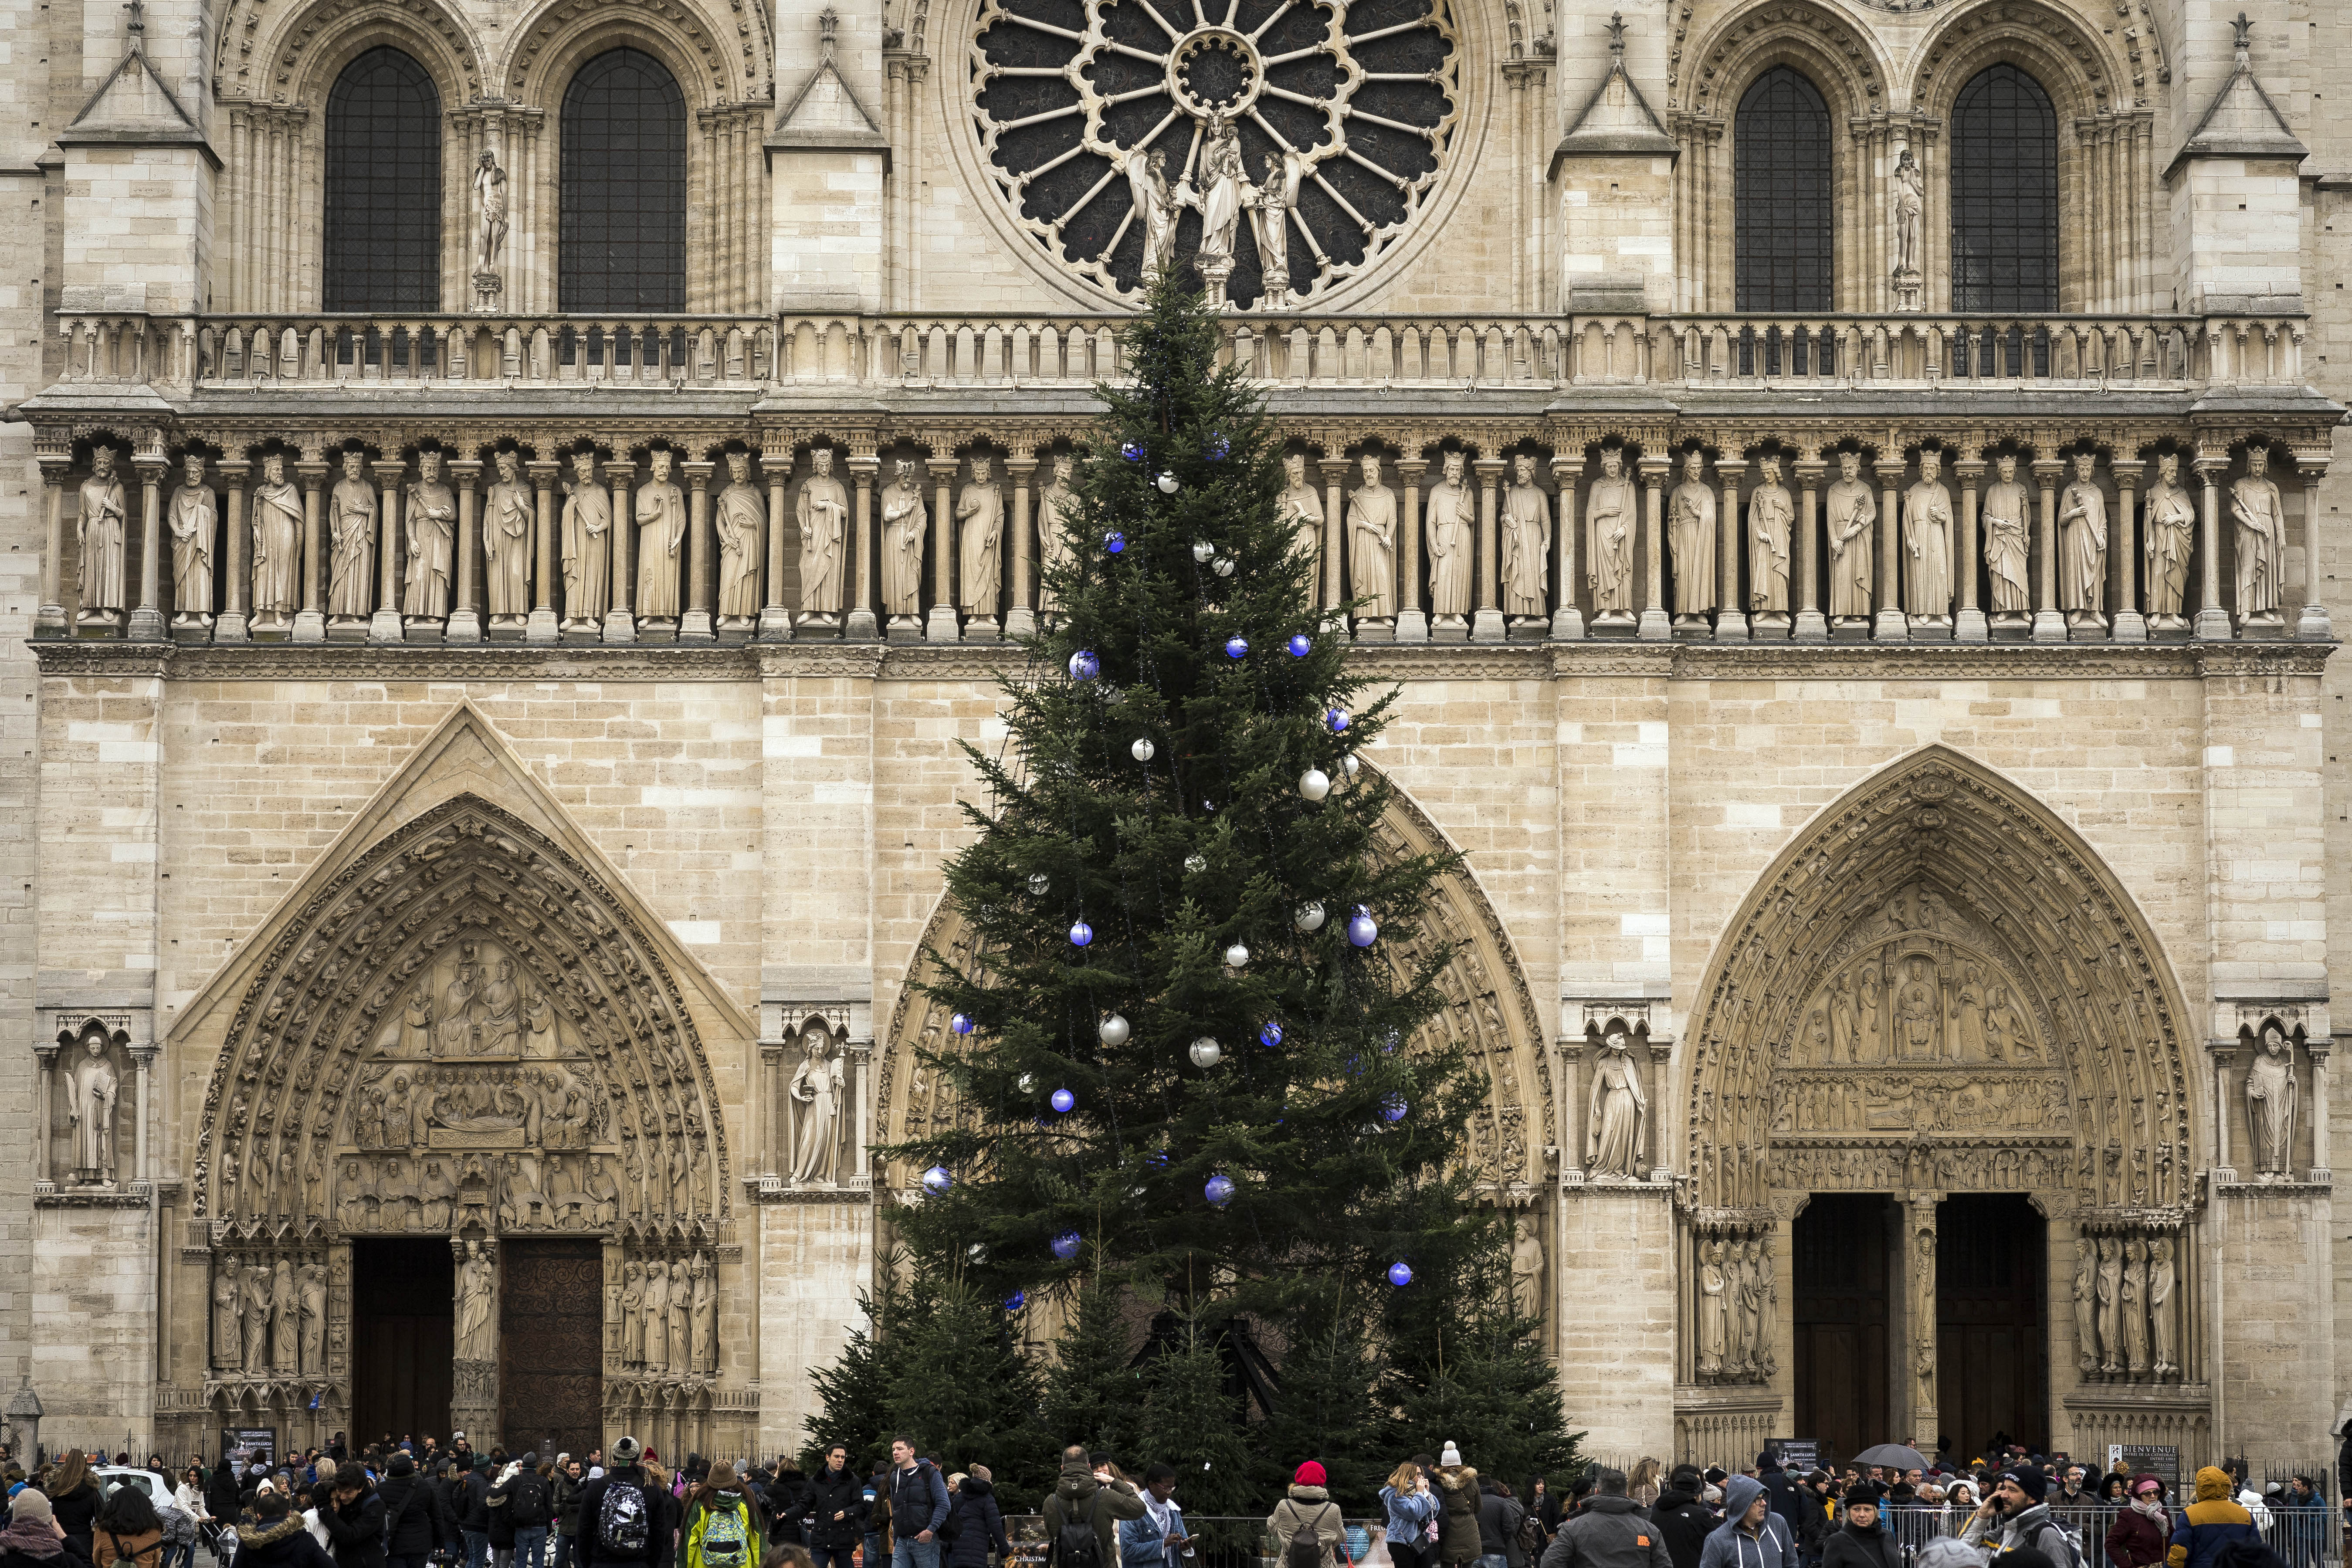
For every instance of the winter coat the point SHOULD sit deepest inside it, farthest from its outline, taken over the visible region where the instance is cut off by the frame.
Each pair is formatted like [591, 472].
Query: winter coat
[1079, 1495]
[1731, 1545]
[698, 1516]
[470, 1499]
[2027, 1526]
[412, 1516]
[145, 1549]
[1610, 1532]
[2211, 1524]
[1407, 1514]
[1306, 1508]
[661, 1519]
[918, 1500]
[1142, 1543]
[499, 1507]
[783, 1502]
[29, 1543]
[77, 1514]
[1854, 1548]
[2135, 1540]
[1781, 1489]
[1457, 1525]
[355, 1529]
[1683, 1521]
[840, 1491]
[1498, 1529]
[283, 1543]
[977, 1525]
[564, 1499]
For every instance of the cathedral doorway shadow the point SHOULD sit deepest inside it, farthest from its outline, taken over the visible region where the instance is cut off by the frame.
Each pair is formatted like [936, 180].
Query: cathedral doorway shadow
[1843, 1300]
[1992, 1265]
[403, 1337]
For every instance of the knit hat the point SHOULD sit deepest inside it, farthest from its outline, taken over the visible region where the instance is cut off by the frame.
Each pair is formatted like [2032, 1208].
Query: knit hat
[1310, 1474]
[1947, 1552]
[721, 1477]
[2029, 1480]
[401, 1465]
[33, 1504]
[1860, 1494]
[627, 1450]
[1451, 1456]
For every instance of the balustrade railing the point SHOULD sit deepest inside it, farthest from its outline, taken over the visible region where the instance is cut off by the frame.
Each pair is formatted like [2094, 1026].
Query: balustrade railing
[698, 350]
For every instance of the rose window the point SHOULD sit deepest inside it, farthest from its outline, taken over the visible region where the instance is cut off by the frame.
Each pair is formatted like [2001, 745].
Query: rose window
[1274, 147]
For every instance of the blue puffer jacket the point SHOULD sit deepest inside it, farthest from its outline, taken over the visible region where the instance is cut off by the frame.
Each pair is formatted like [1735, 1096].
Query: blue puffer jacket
[1408, 1513]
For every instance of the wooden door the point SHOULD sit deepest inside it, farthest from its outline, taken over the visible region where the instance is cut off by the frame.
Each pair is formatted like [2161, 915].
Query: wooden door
[550, 1346]
[403, 1338]
[1840, 1301]
[1991, 1284]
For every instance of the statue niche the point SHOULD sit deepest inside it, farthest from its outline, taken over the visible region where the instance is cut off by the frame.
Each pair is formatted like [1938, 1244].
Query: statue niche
[815, 1152]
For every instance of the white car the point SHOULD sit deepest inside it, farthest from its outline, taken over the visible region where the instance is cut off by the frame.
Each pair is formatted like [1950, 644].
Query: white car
[110, 1476]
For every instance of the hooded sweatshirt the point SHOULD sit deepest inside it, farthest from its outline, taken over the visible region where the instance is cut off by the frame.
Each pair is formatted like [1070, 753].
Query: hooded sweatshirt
[1611, 1531]
[1079, 1495]
[1734, 1544]
[2211, 1524]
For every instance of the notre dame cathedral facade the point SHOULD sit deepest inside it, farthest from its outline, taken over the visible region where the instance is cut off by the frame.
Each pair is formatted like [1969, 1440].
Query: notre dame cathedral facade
[513, 504]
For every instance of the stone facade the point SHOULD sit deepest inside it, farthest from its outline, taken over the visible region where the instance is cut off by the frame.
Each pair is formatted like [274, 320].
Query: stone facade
[507, 810]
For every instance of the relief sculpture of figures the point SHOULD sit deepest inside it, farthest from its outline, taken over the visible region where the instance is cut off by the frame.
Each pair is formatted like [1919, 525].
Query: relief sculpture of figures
[703, 1308]
[587, 535]
[352, 526]
[2007, 508]
[1609, 515]
[1526, 1268]
[1451, 528]
[904, 520]
[257, 1318]
[1850, 512]
[656, 1318]
[1771, 525]
[661, 529]
[980, 511]
[1057, 509]
[1617, 1113]
[285, 1319]
[741, 520]
[1372, 540]
[2162, 1281]
[312, 1288]
[432, 525]
[2261, 540]
[1928, 546]
[2082, 547]
[99, 529]
[2269, 1101]
[681, 1302]
[1270, 204]
[490, 230]
[1690, 543]
[1527, 545]
[2110, 1283]
[506, 545]
[816, 1089]
[277, 544]
[2171, 524]
[193, 510]
[92, 1090]
[821, 510]
[2134, 1301]
[633, 1315]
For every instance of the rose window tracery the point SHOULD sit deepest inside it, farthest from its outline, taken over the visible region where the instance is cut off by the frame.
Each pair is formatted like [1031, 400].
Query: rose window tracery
[1277, 146]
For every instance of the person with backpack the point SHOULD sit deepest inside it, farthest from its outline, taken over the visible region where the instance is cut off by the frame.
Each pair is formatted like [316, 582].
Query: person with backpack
[531, 1509]
[975, 1525]
[2212, 1525]
[624, 1519]
[1610, 1530]
[918, 1506]
[836, 1504]
[2016, 1512]
[469, 1500]
[412, 1515]
[1500, 1517]
[1083, 1516]
[127, 1532]
[722, 1527]
[1307, 1524]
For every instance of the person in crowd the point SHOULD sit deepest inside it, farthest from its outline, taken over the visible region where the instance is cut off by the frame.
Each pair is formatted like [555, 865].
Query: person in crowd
[1457, 1523]
[877, 1512]
[2141, 1534]
[1499, 1515]
[529, 1504]
[1813, 1506]
[1089, 1491]
[352, 1510]
[918, 1506]
[127, 1532]
[413, 1516]
[836, 1507]
[1682, 1520]
[1407, 1507]
[277, 1538]
[1751, 1535]
[1861, 1541]
[2114, 1490]
[1158, 1540]
[2016, 1516]
[722, 1529]
[1611, 1531]
[626, 1515]
[74, 1499]
[1778, 1486]
[568, 1478]
[975, 1523]
[1645, 1481]
[1307, 1506]
[34, 1539]
[2209, 1527]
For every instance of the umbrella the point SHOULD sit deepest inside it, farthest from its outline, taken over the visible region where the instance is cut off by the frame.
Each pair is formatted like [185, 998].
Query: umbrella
[1892, 1455]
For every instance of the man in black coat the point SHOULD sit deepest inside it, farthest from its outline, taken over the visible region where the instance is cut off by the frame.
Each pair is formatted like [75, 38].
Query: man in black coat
[1682, 1520]
[1779, 1487]
[412, 1515]
[591, 1548]
[836, 1509]
[352, 1516]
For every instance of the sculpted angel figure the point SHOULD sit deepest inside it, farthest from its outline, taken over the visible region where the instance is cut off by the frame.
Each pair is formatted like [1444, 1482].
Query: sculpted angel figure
[1155, 207]
[1270, 203]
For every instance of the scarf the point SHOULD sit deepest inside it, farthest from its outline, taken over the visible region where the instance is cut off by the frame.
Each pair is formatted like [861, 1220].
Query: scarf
[2153, 1509]
[32, 1537]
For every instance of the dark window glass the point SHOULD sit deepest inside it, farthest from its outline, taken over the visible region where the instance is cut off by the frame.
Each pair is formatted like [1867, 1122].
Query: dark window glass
[1781, 192]
[2004, 195]
[383, 186]
[624, 202]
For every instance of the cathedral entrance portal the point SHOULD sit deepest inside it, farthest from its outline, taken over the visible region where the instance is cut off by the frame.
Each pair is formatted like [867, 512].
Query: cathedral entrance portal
[1842, 1308]
[550, 1350]
[1992, 1265]
[403, 1337]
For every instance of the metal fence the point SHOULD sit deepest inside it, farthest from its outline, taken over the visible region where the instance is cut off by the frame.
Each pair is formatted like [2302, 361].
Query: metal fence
[1219, 1541]
[2307, 1537]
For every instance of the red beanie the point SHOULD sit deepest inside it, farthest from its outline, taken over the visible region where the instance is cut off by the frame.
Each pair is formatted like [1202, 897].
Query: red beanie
[1310, 1474]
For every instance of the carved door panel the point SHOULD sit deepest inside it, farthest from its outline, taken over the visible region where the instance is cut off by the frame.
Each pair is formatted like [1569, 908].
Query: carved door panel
[403, 1335]
[1841, 1310]
[550, 1346]
[1991, 1284]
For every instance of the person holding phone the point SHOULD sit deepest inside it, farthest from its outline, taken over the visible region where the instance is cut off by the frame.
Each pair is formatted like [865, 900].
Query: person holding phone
[1158, 1539]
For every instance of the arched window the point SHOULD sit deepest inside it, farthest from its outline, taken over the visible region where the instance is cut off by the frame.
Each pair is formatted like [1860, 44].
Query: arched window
[383, 186]
[2004, 165]
[624, 231]
[1780, 194]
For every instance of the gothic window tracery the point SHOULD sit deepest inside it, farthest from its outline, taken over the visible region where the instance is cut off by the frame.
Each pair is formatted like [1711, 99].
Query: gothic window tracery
[383, 186]
[623, 184]
[2004, 175]
[1780, 194]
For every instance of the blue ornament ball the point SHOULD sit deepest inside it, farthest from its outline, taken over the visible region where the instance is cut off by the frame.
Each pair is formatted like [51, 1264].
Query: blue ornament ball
[1362, 929]
[1018, 1300]
[1218, 447]
[1299, 644]
[936, 1180]
[1220, 1190]
[1082, 933]
[1400, 1274]
[1394, 1107]
[1065, 1245]
[1132, 451]
[1063, 1100]
[1270, 1036]
[1114, 542]
[1337, 719]
[1237, 648]
[962, 1022]
[1084, 664]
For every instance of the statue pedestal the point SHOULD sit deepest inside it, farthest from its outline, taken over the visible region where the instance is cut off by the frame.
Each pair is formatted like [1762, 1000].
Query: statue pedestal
[1486, 625]
[695, 627]
[465, 626]
[2212, 624]
[1812, 627]
[942, 626]
[487, 287]
[1020, 621]
[1908, 288]
[542, 627]
[620, 627]
[310, 625]
[1970, 626]
[384, 626]
[1568, 623]
[2129, 627]
[1410, 626]
[1731, 625]
[861, 626]
[2049, 625]
[776, 625]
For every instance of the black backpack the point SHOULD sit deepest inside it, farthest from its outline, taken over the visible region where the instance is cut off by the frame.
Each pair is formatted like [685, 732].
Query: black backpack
[1305, 1548]
[1077, 1546]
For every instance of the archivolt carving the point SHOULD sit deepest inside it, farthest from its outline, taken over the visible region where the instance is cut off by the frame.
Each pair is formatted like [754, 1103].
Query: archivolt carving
[1937, 985]
[2071, 64]
[1489, 1012]
[287, 46]
[680, 34]
[1740, 47]
[464, 1028]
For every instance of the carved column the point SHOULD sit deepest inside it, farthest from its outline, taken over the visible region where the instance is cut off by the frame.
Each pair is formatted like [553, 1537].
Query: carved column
[310, 620]
[385, 626]
[1891, 625]
[1486, 625]
[236, 602]
[2311, 462]
[2322, 1171]
[2049, 625]
[2123, 549]
[696, 626]
[1335, 533]
[1021, 467]
[1811, 626]
[465, 619]
[50, 620]
[1566, 619]
[1969, 620]
[45, 1078]
[143, 1062]
[1655, 627]
[942, 626]
[865, 616]
[620, 624]
[1730, 620]
[1919, 1298]
[775, 616]
[2225, 1054]
[1411, 620]
[543, 626]
[147, 620]
[2212, 617]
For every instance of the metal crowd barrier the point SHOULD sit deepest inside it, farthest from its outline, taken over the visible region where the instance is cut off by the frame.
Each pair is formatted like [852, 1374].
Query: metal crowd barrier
[2305, 1537]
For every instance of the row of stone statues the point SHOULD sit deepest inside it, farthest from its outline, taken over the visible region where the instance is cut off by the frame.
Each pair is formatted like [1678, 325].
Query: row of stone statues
[667, 1315]
[269, 1317]
[2126, 1318]
[1736, 1296]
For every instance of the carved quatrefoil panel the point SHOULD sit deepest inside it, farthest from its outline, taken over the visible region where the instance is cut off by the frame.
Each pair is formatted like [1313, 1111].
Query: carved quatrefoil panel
[1364, 94]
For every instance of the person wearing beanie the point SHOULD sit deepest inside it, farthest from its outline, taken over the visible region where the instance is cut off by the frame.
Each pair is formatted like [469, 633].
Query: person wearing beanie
[1307, 1506]
[1682, 1520]
[1610, 1531]
[33, 1539]
[412, 1515]
[1499, 1514]
[722, 1527]
[1751, 1535]
[1458, 1521]
[1087, 1492]
[2015, 1517]
[2142, 1532]
[1861, 1541]
[1452, 1456]
[975, 1527]
[2212, 1525]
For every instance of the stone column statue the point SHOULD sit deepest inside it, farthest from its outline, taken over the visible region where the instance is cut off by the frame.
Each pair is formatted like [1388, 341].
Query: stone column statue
[681, 1334]
[1450, 524]
[477, 1319]
[587, 547]
[633, 1315]
[506, 545]
[1155, 204]
[816, 1088]
[1690, 541]
[257, 1318]
[2110, 1283]
[1270, 204]
[491, 228]
[704, 1311]
[1928, 546]
[2135, 1308]
[823, 512]
[905, 519]
[1371, 538]
[432, 543]
[1910, 202]
[2261, 540]
[1526, 546]
[1056, 513]
[1617, 1112]
[229, 1353]
[1611, 512]
[2082, 547]
[100, 531]
[1760, 1277]
[2161, 1282]
[980, 511]
[741, 520]
[312, 1285]
[2269, 1101]
[1714, 1316]
[1302, 503]
[2008, 511]
[351, 507]
[1526, 1269]
[1220, 203]
[92, 1091]
[1850, 512]
[657, 1311]
[285, 1319]
[195, 508]
[2171, 523]
[1771, 527]
[661, 529]
[2086, 1300]
[276, 545]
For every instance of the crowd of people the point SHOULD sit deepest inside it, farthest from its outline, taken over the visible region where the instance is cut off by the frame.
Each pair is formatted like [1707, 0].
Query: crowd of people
[417, 1505]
